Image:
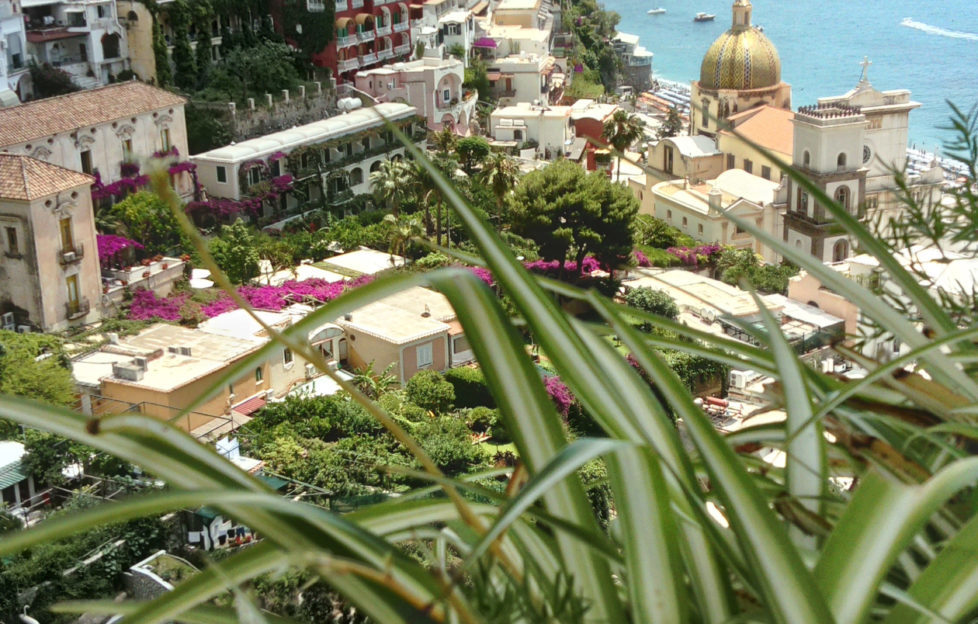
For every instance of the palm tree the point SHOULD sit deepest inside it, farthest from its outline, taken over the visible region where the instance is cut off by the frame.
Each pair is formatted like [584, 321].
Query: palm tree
[621, 131]
[389, 183]
[500, 173]
[402, 231]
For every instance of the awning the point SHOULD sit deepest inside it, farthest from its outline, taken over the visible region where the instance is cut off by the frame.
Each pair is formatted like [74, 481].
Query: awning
[251, 405]
[273, 482]
[342, 22]
[493, 76]
[11, 475]
[485, 42]
[362, 17]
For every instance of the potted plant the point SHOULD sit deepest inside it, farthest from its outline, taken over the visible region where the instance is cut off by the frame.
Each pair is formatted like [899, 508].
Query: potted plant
[145, 274]
[165, 265]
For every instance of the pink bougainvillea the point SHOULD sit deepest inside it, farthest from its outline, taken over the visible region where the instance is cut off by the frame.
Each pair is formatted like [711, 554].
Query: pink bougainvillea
[559, 394]
[694, 256]
[313, 291]
[145, 306]
[641, 259]
[110, 245]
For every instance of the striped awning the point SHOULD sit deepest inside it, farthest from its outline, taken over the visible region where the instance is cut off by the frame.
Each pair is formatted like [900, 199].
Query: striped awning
[11, 474]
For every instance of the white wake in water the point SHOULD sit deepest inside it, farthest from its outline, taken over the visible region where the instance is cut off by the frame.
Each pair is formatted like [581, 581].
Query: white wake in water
[936, 30]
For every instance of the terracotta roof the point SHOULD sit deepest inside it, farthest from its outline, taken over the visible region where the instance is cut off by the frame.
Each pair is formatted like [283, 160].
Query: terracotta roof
[65, 113]
[767, 126]
[26, 178]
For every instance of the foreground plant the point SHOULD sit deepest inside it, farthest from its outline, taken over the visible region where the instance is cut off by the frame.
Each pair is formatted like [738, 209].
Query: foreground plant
[703, 532]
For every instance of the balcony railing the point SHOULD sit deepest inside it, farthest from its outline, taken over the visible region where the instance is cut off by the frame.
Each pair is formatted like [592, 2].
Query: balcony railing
[341, 5]
[70, 256]
[77, 309]
[367, 35]
[345, 41]
[345, 65]
[367, 59]
[383, 30]
[356, 4]
[404, 48]
[507, 93]
[401, 26]
[378, 3]
[385, 54]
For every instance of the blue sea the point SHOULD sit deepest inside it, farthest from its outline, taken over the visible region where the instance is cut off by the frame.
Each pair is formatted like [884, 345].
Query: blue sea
[935, 54]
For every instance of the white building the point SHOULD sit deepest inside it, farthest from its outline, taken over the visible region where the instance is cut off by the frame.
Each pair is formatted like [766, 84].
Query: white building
[431, 85]
[98, 130]
[698, 210]
[334, 156]
[521, 26]
[82, 37]
[13, 55]
[522, 78]
[548, 126]
[636, 61]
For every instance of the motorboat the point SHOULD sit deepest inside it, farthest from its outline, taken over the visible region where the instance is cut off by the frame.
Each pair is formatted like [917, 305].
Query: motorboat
[657, 11]
[704, 17]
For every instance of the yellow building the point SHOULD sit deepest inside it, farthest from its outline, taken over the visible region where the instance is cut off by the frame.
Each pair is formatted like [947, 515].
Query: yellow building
[741, 70]
[765, 126]
[49, 272]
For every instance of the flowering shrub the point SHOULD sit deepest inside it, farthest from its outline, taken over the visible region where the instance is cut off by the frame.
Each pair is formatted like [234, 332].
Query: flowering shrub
[483, 274]
[313, 291]
[559, 394]
[641, 259]
[145, 306]
[110, 245]
[694, 256]
[550, 268]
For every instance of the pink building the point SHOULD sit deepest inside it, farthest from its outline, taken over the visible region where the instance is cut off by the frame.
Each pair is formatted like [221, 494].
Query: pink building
[431, 85]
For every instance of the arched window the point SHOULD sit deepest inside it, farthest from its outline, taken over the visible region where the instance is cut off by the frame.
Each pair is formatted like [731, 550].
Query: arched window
[356, 176]
[259, 375]
[375, 166]
[842, 196]
[705, 113]
[803, 203]
[840, 160]
[840, 251]
[806, 159]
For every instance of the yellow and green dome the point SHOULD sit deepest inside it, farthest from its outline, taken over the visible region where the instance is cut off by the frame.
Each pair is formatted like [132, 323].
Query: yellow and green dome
[741, 58]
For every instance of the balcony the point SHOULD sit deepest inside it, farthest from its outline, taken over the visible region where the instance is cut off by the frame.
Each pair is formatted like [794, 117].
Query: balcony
[368, 59]
[71, 256]
[367, 35]
[401, 27]
[402, 49]
[416, 23]
[345, 41]
[378, 3]
[385, 54]
[383, 30]
[345, 65]
[356, 4]
[341, 5]
[315, 6]
[77, 309]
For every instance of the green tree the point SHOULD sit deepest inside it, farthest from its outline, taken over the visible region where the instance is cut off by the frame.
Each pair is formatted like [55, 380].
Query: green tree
[477, 77]
[35, 366]
[50, 81]
[472, 152]
[266, 67]
[445, 140]
[672, 125]
[144, 217]
[621, 131]
[571, 214]
[500, 173]
[164, 73]
[374, 383]
[235, 253]
[389, 184]
[203, 61]
[204, 130]
[402, 231]
[654, 301]
[446, 440]
[429, 391]
[184, 63]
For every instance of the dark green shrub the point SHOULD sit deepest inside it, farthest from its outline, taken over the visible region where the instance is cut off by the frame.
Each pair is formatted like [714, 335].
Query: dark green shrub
[481, 419]
[470, 387]
[429, 391]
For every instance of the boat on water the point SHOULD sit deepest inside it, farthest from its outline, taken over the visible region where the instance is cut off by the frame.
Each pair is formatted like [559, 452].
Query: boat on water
[704, 17]
[656, 11]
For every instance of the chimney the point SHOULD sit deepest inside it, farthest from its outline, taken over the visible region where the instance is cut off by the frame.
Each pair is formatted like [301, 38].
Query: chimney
[716, 199]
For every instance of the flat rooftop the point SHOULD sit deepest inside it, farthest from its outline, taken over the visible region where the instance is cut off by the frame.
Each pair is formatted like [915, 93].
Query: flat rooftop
[364, 261]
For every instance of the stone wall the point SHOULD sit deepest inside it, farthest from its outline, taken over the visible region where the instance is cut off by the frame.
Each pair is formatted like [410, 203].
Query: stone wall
[275, 112]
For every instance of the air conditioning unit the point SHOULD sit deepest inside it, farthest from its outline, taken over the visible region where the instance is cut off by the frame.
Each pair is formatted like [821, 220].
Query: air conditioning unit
[185, 351]
[333, 365]
[23, 329]
[140, 362]
[9, 321]
[69, 256]
[310, 370]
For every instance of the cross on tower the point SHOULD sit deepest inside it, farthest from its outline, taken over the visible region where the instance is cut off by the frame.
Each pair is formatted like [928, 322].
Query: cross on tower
[866, 63]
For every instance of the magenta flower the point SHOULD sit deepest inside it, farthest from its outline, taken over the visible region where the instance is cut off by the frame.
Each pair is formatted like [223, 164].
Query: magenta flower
[559, 394]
